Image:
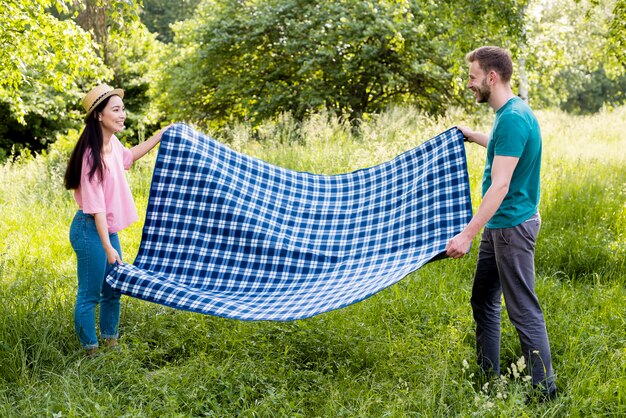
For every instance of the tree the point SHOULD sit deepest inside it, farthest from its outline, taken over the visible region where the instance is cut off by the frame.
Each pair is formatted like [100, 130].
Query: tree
[102, 18]
[569, 54]
[49, 59]
[254, 59]
[158, 15]
[595, 91]
[40, 53]
[129, 50]
[617, 40]
[135, 56]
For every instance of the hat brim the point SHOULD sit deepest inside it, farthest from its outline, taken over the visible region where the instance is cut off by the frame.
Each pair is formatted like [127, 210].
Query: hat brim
[114, 92]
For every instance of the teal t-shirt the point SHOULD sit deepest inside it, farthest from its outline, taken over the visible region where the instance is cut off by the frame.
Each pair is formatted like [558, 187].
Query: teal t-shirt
[515, 133]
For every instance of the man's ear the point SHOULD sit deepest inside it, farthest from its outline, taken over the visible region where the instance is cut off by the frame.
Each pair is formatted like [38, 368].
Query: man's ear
[492, 77]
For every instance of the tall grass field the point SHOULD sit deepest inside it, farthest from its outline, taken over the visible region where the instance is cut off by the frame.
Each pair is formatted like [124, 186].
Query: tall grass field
[407, 351]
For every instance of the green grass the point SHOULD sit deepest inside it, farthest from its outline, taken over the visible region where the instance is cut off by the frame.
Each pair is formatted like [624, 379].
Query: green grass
[406, 351]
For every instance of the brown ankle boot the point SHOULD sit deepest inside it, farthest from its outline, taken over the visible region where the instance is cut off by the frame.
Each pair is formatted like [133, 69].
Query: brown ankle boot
[110, 342]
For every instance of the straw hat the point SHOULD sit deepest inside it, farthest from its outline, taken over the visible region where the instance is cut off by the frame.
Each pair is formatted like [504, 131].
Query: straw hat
[97, 94]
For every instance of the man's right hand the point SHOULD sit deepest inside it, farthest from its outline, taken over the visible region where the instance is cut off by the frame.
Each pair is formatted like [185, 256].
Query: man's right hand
[459, 245]
[473, 136]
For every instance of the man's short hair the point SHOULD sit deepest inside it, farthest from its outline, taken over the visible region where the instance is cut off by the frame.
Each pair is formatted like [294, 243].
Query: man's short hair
[493, 58]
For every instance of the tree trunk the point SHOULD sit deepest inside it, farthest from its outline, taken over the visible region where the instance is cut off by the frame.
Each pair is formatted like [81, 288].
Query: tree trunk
[93, 19]
[523, 78]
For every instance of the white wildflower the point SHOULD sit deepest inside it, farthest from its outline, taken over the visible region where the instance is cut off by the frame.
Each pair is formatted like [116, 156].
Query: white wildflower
[515, 372]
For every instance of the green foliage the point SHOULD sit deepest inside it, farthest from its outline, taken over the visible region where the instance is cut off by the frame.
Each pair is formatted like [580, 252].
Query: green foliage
[39, 52]
[617, 39]
[31, 135]
[159, 15]
[567, 55]
[101, 18]
[136, 59]
[242, 61]
[250, 60]
[593, 92]
[561, 49]
[130, 53]
[406, 351]
[51, 61]
[44, 60]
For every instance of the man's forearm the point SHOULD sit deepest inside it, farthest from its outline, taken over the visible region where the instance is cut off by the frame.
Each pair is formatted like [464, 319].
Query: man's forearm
[488, 207]
[479, 138]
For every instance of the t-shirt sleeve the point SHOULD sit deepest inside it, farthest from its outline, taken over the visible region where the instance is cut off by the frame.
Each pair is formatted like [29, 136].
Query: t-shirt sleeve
[127, 158]
[91, 191]
[511, 135]
[127, 155]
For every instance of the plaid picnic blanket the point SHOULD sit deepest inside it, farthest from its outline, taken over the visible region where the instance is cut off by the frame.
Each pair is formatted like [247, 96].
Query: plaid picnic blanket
[230, 235]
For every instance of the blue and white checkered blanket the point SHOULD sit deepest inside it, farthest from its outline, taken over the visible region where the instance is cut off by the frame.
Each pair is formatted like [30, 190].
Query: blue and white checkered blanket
[230, 235]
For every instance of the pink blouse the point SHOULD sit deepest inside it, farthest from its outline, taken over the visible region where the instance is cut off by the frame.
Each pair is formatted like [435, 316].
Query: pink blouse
[111, 195]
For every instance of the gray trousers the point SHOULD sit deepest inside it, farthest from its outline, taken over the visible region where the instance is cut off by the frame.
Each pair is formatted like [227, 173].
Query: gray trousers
[506, 265]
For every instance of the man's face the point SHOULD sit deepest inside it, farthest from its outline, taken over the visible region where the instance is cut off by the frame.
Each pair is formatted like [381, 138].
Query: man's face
[478, 83]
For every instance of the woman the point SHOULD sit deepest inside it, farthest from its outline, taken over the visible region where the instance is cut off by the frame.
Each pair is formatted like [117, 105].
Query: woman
[95, 172]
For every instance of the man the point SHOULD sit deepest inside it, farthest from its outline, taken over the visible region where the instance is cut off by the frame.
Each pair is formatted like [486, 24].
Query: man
[509, 214]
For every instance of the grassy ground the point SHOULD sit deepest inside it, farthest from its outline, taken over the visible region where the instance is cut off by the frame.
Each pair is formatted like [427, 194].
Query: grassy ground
[407, 351]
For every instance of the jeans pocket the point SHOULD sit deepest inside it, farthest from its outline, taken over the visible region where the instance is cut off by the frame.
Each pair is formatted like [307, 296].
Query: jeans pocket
[504, 236]
[530, 229]
[75, 231]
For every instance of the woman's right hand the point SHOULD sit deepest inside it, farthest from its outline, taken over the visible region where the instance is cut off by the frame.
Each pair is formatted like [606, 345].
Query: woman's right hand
[113, 256]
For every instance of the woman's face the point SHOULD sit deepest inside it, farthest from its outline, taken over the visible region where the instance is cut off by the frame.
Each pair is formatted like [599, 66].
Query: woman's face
[113, 115]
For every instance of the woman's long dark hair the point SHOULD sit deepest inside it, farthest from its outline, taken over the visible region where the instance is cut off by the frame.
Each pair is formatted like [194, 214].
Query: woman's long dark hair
[90, 140]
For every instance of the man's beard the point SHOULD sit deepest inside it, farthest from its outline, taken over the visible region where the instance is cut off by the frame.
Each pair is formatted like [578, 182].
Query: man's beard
[483, 92]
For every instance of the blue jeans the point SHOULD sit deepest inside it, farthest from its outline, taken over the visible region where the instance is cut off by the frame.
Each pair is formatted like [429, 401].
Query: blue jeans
[506, 265]
[92, 268]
